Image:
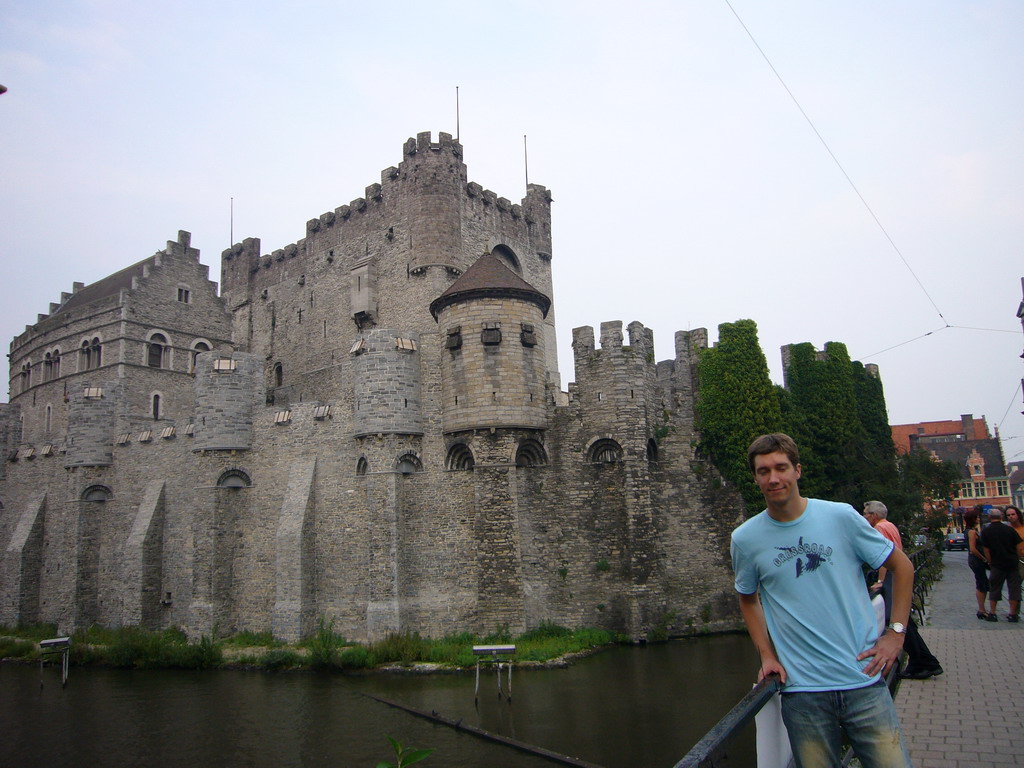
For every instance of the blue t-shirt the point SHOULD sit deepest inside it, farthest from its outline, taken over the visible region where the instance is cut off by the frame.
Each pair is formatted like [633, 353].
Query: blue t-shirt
[813, 593]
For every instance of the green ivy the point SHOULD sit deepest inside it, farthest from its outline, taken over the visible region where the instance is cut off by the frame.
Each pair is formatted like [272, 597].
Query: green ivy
[736, 402]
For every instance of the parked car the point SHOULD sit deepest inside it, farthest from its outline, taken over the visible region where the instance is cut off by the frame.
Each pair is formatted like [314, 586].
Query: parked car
[956, 541]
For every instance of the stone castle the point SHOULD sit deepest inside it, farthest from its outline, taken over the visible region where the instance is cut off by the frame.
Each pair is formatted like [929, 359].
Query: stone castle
[365, 426]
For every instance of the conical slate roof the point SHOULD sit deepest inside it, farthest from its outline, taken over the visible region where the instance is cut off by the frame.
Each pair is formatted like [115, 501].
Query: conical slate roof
[488, 277]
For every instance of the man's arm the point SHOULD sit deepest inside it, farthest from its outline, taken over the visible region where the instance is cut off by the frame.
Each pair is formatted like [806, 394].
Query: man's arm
[757, 627]
[886, 649]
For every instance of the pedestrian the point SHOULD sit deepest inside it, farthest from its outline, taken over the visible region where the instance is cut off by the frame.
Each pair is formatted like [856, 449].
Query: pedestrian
[921, 663]
[1003, 549]
[801, 591]
[977, 560]
[1013, 517]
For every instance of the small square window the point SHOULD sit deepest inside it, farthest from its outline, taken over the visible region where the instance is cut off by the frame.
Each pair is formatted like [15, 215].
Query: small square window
[26, 453]
[283, 417]
[167, 432]
[47, 450]
[190, 430]
[321, 412]
[124, 438]
[491, 334]
[405, 345]
[224, 365]
[184, 295]
[93, 393]
[528, 336]
[146, 436]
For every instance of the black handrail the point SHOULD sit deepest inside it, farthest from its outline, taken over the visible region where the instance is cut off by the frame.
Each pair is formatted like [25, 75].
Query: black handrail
[710, 750]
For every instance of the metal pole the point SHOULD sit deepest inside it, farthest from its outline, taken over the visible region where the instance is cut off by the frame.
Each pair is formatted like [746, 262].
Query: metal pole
[526, 164]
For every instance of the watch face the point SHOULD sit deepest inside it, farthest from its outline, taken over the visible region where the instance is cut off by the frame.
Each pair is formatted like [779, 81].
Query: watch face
[897, 628]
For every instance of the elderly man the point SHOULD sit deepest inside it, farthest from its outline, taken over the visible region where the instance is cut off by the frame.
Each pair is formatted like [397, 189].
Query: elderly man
[921, 664]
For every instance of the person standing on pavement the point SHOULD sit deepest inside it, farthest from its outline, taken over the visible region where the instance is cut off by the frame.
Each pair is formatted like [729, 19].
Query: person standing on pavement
[802, 596]
[921, 664]
[1013, 517]
[977, 560]
[1003, 549]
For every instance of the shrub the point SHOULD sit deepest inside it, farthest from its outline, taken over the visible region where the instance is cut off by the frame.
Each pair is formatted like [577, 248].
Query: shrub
[357, 657]
[404, 647]
[253, 640]
[323, 646]
[10, 648]
[280, 658]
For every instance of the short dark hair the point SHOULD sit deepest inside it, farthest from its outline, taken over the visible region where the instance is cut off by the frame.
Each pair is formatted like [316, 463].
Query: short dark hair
[775, 442]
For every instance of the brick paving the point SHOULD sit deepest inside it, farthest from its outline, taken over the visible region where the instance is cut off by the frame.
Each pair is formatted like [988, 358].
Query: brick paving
[973, 715]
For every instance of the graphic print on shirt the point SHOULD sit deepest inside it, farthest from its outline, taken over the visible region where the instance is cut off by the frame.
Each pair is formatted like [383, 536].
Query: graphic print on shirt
[809, 557]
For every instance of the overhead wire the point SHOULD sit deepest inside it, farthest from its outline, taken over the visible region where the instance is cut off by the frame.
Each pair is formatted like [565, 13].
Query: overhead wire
[839, 165]
[871, 212]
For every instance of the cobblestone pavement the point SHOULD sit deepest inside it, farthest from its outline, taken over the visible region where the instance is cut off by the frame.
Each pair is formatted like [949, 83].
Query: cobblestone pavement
[973, 715]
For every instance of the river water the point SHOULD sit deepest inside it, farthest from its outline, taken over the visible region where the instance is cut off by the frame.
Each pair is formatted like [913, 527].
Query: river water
[623, 708]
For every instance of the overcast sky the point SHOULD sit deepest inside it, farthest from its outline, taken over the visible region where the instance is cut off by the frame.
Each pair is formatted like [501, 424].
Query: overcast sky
[689, 189]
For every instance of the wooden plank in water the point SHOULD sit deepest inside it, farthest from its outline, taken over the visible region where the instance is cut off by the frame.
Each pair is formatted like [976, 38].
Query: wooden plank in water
[481, 733]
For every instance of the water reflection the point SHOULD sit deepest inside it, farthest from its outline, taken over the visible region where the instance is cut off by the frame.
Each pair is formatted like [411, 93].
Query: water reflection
[627, 707]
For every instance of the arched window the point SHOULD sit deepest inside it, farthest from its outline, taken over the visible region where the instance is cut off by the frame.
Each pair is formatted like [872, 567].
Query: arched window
[56, 363]
[155, 410]
[652, 450]
[98, 493]
[49, 417]
[197, 348]
[95, 353]
[234, 478]
[605, 451]
[48, 367]
[508, 258]
[26, 376]
[530, 453]
[278, 375]
[409, 464]
[362, 466]
[460, 457]
[85, 356]
[158, 354]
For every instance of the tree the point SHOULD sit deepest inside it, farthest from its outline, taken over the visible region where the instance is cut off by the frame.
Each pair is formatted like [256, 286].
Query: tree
[823, 418]
[736, 402]
[923, 492]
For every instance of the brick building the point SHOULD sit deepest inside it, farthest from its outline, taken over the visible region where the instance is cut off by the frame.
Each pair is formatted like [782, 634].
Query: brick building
[968, 444]
[366, 425]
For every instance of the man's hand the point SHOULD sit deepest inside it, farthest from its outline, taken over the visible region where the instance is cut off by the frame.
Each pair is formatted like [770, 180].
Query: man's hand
[883, 653]
[770, 666]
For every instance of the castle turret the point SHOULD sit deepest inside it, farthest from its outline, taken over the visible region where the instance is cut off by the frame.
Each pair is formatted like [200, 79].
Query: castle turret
[386, 381]
[91, 412]
[492, 369]
[228, 386]
[437, 178]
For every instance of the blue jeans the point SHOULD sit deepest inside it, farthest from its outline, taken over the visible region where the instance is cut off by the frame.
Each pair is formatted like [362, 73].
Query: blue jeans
[816, 721]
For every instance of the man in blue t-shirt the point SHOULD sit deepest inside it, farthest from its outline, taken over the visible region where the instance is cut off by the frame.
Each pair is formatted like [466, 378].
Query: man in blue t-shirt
[803, 598]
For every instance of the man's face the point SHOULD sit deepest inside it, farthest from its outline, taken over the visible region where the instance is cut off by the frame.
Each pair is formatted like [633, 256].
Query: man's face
[776, 476]
[872, 518]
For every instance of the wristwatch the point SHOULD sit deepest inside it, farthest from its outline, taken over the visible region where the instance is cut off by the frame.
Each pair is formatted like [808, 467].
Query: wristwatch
[899, 629]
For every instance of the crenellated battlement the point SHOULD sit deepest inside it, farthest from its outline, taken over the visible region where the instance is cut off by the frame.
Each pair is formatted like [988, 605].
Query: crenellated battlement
[641, 340]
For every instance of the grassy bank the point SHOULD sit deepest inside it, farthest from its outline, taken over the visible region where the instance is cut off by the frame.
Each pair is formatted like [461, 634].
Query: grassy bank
[131, 647]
